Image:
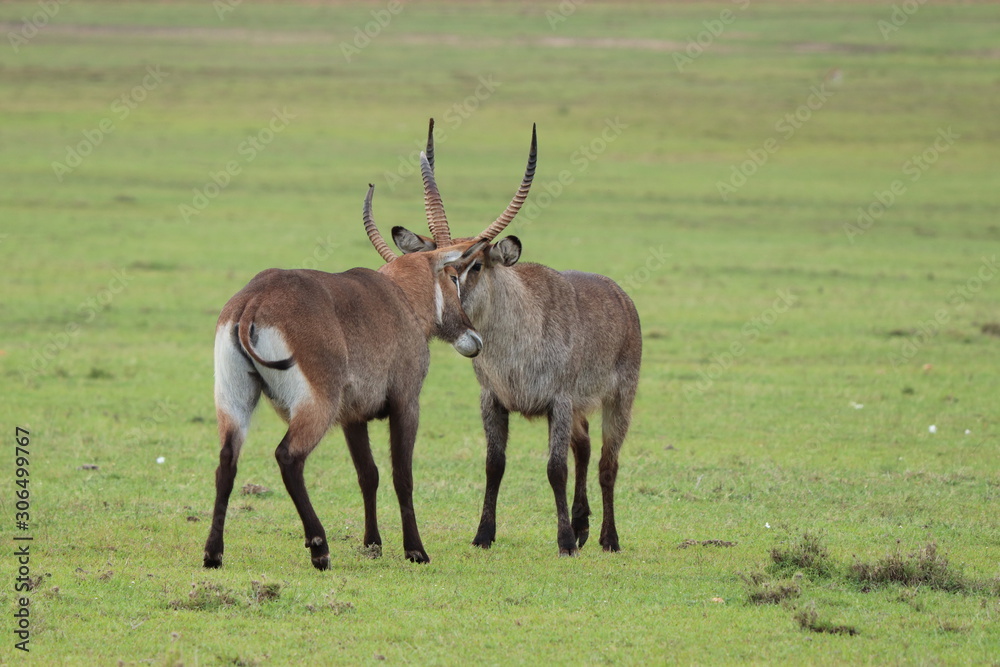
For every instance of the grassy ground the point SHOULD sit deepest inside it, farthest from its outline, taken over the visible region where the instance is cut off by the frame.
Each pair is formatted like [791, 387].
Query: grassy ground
[796, 354]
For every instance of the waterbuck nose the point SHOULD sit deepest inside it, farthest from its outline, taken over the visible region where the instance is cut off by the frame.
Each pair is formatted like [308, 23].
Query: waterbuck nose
[469, 344]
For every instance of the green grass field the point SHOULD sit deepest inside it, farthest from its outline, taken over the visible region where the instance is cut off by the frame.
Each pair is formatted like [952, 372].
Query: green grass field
[801, 198]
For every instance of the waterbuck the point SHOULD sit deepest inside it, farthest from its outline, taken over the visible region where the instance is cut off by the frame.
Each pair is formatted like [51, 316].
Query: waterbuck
[556, 344]
[334, 348]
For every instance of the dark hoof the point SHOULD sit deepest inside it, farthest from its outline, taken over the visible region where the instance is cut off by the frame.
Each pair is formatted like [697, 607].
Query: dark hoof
[485, 536]
[372, 541]
[213, 562]
[566, 539]
[319, 552]
[581, 525]
[416, 556]
[610, 545]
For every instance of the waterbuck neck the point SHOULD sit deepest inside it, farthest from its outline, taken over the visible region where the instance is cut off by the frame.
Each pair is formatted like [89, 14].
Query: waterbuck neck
[414, 276]
[501, 301]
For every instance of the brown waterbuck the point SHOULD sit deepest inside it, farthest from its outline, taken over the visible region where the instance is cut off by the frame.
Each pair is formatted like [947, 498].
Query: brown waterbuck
[335, 348]
[557, 344]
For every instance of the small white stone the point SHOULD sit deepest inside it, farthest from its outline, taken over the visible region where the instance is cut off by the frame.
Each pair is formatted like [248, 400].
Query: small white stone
[160, 459]
[932, 429]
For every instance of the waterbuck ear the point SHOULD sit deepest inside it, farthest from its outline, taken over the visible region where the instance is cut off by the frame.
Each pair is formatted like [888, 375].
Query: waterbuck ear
[409, 242]
[474, 248]
[506, 252]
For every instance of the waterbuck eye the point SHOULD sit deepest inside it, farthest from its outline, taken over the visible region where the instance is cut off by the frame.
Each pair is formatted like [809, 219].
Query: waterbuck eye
[475, 267]
[454, 279]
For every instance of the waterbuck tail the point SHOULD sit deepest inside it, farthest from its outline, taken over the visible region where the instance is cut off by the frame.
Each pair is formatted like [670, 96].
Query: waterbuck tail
[245, 333]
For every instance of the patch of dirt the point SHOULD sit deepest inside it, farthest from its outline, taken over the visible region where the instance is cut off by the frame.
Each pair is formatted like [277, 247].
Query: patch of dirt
[611, 43]
[706, 543]
[991, 329]
[371, 551]
[326, 37]
[924, 567]
[206, 596]
[809, 620]
[296, 37]
[265, 592]
[762, 590]
[185, 33]
[832, 47]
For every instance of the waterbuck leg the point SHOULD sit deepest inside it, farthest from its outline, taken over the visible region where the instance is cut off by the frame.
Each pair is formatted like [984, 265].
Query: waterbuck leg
[361, 453]
[580, 444]
[403, 421]
[615, 422]
[225, 474]
[495, 422]
[560, 429]
[237, 390]
[291, 455]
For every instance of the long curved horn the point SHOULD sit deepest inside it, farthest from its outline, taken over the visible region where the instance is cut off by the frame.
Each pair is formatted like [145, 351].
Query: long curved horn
[436, 218]
[505, 218]
[373, 234]
[430, 145]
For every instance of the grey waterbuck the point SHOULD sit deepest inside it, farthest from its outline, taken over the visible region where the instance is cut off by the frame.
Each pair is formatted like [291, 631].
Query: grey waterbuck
[334, 348]
[557, 344]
